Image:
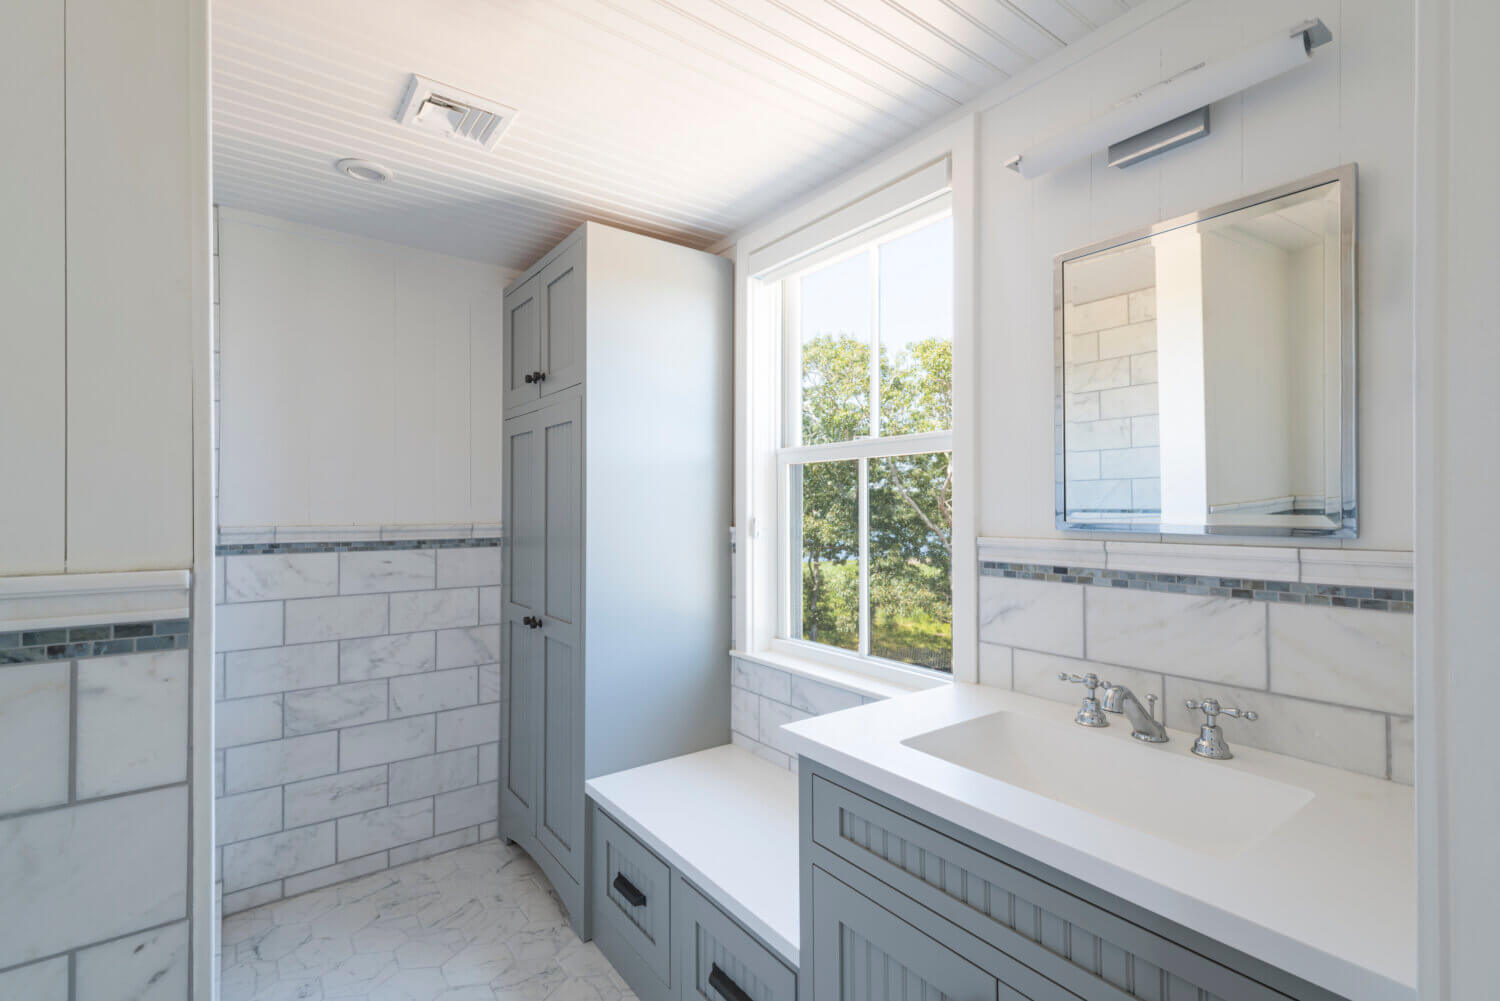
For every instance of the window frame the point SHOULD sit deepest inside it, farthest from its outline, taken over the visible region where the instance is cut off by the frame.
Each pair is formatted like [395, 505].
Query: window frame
[943, 159]
[784, 284]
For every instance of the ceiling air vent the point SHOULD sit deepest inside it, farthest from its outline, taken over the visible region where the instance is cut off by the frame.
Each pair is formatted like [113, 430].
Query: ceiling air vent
[458, 115]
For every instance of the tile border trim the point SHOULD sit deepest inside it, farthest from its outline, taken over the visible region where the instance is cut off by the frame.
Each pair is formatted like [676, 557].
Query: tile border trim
[66, 600]
[248, 534]
[351, 546]
[1380, 599]
[38, 646]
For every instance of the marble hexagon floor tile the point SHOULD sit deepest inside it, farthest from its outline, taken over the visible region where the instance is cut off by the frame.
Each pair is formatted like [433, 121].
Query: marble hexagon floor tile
[476, 924]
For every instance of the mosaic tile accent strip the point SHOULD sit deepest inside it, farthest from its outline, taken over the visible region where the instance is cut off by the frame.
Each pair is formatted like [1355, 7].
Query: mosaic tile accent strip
[32, 646]
[1380, 599]
[355, 546]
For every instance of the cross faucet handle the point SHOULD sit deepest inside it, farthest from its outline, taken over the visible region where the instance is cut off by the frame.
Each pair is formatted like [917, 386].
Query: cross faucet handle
[1211, 742]
[1090, 680]
[1211, 709]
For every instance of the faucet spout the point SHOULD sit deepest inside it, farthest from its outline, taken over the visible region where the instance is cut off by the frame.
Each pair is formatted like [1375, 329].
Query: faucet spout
[1143, 722]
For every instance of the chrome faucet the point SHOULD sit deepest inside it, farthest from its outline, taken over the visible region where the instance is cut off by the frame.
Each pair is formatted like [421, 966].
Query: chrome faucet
[1119, 699]
[1211, 742]
[1089, 714]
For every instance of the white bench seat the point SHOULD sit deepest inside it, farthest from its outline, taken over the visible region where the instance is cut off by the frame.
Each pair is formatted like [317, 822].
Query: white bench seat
[727, 821]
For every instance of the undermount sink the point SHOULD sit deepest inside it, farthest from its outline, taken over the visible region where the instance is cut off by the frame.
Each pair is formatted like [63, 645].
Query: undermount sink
[1147, 787]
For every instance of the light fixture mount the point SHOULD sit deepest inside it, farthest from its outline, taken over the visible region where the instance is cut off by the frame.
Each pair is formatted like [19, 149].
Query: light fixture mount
[364, 170]
[1174, 111]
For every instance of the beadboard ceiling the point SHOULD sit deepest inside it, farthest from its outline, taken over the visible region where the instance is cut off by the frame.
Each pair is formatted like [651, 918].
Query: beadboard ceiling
[684, 119]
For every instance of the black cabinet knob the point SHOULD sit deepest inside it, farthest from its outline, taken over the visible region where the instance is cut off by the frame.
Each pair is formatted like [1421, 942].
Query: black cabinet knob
[530, 377]
[539, 376]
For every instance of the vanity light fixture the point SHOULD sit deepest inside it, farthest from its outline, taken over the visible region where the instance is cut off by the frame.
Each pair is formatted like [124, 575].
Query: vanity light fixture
[1174, 111]
[364, 170]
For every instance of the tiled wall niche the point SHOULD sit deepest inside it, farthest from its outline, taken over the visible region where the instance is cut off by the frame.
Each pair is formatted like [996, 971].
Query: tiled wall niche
[1327, 667]
[94, 812]
[358, 713]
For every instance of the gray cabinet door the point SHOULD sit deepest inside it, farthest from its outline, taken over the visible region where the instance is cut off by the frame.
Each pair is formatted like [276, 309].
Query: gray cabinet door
[560, 288]
[523, 590]
[560, 798]
[521, 748]
[522, 344]
[862, 952]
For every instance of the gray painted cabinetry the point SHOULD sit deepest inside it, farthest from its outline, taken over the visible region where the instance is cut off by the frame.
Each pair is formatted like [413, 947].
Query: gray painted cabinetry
[897, 904]
[616, 451]
[667, 939]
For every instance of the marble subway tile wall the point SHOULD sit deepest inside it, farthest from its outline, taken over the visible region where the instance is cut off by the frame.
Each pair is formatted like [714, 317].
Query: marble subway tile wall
[95, 812]
[1332, 683]
[358, 713]
[764, 698]
[1112, 417]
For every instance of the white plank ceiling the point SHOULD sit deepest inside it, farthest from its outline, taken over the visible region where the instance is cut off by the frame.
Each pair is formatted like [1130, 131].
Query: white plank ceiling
[684, 119]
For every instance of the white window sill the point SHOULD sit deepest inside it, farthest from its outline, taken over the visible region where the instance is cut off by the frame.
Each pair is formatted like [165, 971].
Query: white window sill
[853, 680]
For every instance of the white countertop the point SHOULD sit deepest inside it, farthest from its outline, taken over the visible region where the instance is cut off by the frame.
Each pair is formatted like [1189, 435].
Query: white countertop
[1329, 896]
[727, 821]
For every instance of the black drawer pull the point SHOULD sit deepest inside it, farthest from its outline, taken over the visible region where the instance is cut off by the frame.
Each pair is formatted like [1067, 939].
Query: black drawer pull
[728, 989]
[627, 889]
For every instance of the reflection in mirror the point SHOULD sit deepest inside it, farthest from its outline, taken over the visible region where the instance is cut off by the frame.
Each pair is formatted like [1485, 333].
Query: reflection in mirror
[1205, 377]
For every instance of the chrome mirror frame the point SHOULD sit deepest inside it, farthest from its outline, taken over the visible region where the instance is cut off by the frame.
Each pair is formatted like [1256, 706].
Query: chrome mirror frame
[1346, 177]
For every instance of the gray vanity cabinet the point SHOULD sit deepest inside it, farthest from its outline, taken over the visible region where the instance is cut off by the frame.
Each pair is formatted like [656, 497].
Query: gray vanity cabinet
[866, 953]
[614, 611]
[880, 876]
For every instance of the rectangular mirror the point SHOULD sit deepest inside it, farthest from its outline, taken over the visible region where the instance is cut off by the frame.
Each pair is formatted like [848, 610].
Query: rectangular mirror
[1205, 370]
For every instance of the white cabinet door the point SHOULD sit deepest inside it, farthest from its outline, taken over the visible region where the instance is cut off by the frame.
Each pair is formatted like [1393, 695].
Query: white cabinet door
[561, 289]
[523, 345]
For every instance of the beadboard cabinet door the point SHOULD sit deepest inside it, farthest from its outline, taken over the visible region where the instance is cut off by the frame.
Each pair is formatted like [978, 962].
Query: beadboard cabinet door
[863, 952]
[560, 287]
[523, 345]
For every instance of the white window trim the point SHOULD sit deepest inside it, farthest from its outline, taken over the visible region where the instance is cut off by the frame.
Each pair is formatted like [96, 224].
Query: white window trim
[758, 627]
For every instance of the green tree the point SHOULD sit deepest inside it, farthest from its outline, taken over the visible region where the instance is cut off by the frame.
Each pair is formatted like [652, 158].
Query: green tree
[910, 502]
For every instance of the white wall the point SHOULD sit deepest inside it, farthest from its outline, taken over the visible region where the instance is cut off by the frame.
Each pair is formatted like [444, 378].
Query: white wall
[97, 240]
[1458, 475]
[104, 436]
[1352, 103]
[359, 380]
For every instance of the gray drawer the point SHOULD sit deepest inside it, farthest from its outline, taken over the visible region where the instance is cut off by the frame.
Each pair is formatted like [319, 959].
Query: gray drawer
[1090, 951]
[633, 893]
[717, 960]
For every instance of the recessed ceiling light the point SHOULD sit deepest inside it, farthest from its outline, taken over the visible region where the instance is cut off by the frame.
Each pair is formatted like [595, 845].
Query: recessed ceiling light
[364, 170]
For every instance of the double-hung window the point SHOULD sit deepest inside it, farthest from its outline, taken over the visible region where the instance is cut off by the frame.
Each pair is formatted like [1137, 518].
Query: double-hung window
[865, 457]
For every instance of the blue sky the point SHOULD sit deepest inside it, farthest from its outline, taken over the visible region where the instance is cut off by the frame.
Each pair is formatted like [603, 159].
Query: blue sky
[916, 291]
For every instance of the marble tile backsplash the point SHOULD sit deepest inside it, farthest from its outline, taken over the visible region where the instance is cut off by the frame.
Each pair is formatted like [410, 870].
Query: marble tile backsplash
[94, 817]
[1332, 684]
[358, 720]
[764, 698]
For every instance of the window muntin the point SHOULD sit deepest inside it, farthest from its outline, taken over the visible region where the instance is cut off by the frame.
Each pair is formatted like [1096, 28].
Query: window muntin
[867, 453]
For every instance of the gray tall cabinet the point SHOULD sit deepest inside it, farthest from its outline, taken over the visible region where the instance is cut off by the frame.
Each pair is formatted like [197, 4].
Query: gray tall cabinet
[616, 464]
